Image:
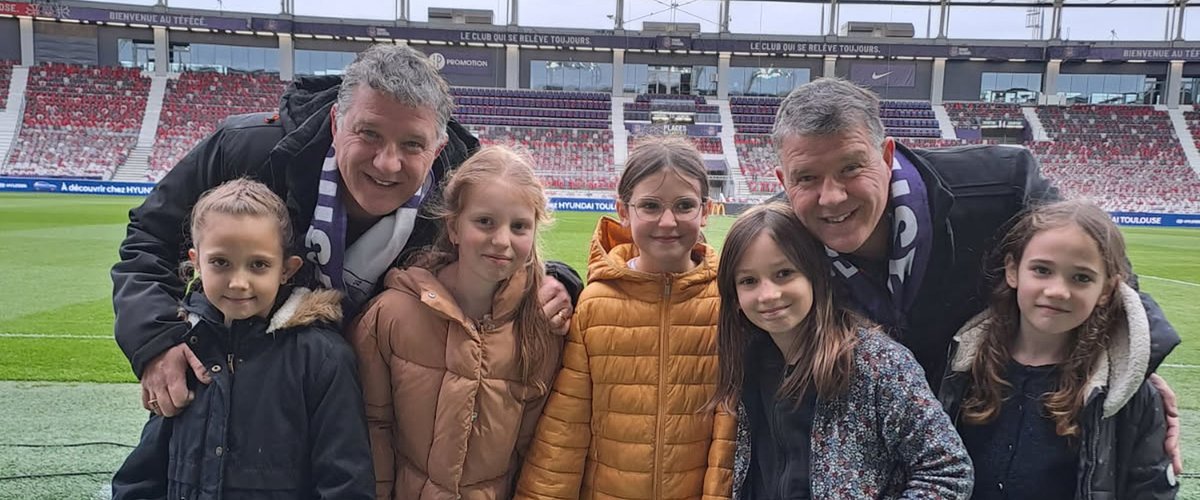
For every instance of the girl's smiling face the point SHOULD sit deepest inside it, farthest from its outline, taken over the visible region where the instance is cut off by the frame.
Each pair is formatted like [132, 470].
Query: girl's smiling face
[1059, 280]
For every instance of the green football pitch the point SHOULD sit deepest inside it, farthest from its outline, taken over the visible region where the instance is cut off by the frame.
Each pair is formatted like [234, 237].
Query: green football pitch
[69, 411]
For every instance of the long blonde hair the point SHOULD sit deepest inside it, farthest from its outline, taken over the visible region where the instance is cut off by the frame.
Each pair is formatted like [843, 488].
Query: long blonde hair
[489, 165]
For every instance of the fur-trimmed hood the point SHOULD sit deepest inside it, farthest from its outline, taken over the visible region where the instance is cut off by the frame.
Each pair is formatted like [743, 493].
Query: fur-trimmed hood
[303, 307]
[1121, 369]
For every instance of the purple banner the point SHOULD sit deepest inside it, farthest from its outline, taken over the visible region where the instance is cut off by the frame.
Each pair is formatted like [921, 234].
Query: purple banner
[454, 61]
[62, 11]
[1076, 52]
[458, 36]
[870, 49]
[680, 129]
[879, 75]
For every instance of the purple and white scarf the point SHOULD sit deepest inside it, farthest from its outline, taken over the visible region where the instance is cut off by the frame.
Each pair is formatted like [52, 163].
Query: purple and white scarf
[909, 247]
[355, 270]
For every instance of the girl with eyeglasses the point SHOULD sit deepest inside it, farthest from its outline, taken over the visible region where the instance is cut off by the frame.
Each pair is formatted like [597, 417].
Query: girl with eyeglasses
[627, 417]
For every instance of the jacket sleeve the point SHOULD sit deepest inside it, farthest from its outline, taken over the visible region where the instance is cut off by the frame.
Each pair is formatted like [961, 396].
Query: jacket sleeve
[143, 476]
[146, 283]
[568, 277]
[340, 458]
[1147, 468]
[558, 454]
[919, 432]
[1163, 337]
[374, 353]
[1037, 188]
[718, 478]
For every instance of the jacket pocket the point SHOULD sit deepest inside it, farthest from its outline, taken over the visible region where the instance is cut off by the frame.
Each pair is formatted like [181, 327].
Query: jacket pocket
[263, 472]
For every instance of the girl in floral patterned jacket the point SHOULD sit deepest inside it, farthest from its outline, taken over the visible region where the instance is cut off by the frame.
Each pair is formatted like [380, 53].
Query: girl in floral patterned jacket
[829, 407]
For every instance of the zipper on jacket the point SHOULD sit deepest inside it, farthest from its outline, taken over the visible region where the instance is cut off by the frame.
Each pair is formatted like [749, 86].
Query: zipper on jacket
[664, 326]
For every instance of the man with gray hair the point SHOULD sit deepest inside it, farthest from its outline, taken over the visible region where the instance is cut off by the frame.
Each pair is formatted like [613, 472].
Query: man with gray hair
[908, 230]
[355, 157]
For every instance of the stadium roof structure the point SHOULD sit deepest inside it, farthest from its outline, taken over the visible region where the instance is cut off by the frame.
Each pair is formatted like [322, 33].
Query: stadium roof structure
[510, 33]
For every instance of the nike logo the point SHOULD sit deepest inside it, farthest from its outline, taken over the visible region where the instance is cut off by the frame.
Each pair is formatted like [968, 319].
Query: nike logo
[876, 76]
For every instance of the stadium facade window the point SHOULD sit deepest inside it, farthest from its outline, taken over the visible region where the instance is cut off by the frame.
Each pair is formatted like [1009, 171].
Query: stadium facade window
[1111, 89]
[705, 80]
[636, 78]
[1012, 88]
[223, 58]
[136, 53]
[570, 75]
[771, 82]
[1189, 90]
[321, 62]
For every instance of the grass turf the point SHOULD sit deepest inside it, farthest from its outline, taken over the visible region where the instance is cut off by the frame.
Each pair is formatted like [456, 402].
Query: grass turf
[56, 312]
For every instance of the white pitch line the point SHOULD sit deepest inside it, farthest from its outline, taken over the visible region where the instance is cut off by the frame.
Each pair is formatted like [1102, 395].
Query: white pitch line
[1168, 365]
[1169, 280]
[54, 336]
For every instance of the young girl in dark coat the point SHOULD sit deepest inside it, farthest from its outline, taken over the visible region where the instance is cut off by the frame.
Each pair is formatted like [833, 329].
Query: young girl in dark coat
[1047, 386]
[279, 414]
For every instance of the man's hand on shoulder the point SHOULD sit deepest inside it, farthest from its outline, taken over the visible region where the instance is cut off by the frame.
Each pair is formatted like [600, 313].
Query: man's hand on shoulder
[164, 382]
[556, 304]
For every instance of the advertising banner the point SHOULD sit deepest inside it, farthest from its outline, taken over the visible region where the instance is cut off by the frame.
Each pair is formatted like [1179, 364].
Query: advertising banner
[1154, 219]
[453, 61]
[875, 74]
[74, 186]
[583, 204]
[63, 11]
[679, 129]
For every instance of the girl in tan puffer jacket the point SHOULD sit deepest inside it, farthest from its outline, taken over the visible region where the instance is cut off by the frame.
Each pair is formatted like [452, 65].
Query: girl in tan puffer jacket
[626, 418]
[456, 356]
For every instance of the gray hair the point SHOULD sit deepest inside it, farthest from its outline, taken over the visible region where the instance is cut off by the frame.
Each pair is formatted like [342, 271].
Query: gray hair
[828, 106]
[403, 73]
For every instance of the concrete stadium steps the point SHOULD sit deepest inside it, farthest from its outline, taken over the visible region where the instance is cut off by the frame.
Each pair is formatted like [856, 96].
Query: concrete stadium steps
[620, 134]
[944, 122]
[138, 164]
[1179, 123]
[1035, 123]
[10, 118]
[729, 147]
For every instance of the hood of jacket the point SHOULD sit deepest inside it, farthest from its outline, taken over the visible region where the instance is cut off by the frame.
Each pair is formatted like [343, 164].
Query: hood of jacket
[424, 285]
[612, 249]
[1121, 369]
[303, 307]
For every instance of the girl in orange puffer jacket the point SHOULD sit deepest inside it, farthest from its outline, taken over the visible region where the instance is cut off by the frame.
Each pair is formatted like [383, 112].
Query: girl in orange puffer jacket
[626, 418]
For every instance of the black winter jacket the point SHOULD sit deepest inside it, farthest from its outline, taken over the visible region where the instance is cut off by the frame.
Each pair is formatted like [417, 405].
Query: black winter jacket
[1121, 455]
[975, 192]
[282, 419]
[284, 151]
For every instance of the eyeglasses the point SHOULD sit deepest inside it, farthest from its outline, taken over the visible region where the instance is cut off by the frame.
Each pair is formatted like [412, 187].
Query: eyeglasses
[652, 210]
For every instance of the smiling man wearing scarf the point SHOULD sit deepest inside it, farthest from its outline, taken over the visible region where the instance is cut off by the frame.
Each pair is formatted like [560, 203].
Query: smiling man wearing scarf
[355, 157]
[907, 229]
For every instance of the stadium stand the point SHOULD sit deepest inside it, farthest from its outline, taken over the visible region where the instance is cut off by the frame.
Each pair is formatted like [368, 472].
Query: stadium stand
[565, 158]
[1124, 158]
[970, 115]
[755, 115]
[5, 77]
[756, 156]
[197, 102]
[79, 121]
[532, 108]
